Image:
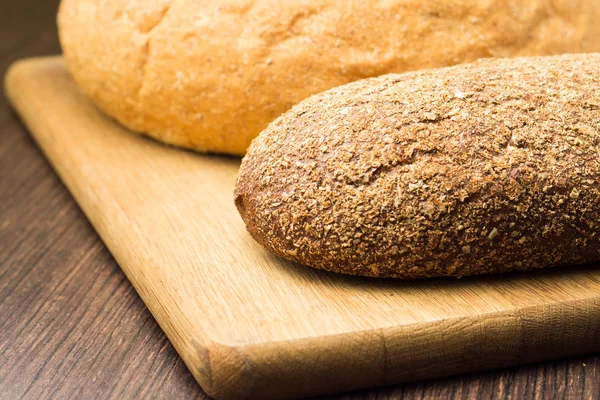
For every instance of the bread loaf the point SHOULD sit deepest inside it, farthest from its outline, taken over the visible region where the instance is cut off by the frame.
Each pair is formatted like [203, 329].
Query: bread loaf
[210, 75]
[480, 168]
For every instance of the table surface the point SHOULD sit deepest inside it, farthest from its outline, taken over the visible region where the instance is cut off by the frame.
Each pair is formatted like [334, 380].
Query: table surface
[71, 325]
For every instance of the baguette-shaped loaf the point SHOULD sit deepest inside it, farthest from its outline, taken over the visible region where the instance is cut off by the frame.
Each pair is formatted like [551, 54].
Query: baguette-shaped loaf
[481, 168]
[211, 74]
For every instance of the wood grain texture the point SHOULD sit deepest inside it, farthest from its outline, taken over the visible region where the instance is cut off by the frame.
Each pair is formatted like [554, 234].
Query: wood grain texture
[71, 325]
[138, 358]
[251, 325]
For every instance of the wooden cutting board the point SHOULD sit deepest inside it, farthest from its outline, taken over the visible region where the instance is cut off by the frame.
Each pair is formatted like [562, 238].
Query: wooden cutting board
[251, 325]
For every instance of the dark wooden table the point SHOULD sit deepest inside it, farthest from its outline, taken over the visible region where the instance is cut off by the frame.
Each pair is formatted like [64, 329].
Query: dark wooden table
[71, 325]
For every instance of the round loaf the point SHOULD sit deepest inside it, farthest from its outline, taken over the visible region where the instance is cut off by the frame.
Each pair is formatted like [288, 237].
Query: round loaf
[480, 168]
[210, 75]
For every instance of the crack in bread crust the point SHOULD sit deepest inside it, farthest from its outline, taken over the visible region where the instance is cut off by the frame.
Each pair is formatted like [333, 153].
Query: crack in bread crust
[210, 75]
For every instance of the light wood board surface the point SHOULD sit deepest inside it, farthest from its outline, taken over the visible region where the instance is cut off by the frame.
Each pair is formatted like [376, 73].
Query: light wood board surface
[251, 325]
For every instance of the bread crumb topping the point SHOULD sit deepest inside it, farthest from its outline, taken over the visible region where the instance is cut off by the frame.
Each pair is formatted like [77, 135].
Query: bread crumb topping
[425, 179]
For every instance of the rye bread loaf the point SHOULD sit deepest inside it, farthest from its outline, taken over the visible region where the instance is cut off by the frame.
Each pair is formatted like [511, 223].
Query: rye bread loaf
[481, 168]
[210, 75]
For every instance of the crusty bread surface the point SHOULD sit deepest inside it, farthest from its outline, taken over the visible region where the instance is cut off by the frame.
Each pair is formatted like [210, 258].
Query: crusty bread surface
[487, 167]
[210, 75]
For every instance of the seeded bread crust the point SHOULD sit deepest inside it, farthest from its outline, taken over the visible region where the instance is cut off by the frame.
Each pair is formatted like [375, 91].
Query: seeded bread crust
[481, 168]
[211, 74]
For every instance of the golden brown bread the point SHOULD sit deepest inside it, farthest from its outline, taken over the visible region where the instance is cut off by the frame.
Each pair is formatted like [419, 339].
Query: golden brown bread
[481, 168]
[210, 75]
